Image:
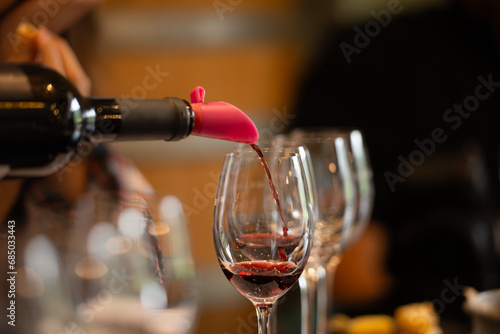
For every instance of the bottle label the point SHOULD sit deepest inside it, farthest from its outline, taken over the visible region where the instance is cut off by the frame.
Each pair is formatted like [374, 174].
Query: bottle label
[22, 105]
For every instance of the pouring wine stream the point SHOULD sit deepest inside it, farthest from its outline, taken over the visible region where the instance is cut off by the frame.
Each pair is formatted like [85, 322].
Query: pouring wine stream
[263, 162]
[241, 129]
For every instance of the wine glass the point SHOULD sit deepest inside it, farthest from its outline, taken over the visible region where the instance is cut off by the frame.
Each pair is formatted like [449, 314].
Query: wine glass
[364, 194]
[283, 142]
[363, 181]
[111, 263]
[334, 214]
[262, 225]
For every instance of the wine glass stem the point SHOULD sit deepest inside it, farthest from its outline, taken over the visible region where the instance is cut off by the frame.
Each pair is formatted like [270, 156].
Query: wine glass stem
[263, 316]
[322, 301]
[307, 284]
[331, 269]
[273, 319]
[314, 301]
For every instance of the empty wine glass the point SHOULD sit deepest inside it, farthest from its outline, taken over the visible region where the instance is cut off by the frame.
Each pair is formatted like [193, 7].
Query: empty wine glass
[364, 193]
[262, 226]
[361, 174]
[363, 181]
[111, 263]
[333, 215]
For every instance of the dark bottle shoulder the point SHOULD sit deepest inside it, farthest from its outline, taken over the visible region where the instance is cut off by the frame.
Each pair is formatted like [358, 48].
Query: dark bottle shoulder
[49, 83]
[24, 81]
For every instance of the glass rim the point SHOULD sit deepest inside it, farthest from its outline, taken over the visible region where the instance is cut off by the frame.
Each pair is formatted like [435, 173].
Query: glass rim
[327, 132]
[251, 154]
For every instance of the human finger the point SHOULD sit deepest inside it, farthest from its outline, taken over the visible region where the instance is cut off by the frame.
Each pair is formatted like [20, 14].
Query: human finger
[48, 50]
[25, 41]
[73, 69]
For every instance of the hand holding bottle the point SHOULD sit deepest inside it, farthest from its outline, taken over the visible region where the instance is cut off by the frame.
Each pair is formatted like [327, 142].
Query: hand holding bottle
[48, 113]
[56, 16]
[42, 46]
[30, 44]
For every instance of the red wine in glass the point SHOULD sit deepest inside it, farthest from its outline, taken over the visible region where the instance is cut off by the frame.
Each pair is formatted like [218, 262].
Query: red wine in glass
[257, 149]
[262, 279]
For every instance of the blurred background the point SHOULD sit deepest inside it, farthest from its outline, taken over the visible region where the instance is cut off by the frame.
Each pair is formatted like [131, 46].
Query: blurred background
[248, 53]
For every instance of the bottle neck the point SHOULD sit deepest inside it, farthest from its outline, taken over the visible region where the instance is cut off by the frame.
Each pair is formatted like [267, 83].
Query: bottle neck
[120, 119]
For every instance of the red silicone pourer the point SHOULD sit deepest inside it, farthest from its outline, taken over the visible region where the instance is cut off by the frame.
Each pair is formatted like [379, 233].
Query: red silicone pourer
[221, 120]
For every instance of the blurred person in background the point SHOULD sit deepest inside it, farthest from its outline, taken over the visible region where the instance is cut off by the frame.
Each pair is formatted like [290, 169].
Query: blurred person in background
[425, 89]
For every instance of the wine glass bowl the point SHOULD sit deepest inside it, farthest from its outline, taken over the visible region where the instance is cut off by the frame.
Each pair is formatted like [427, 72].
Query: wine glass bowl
[334, 192]
[262, 225]
[359, 168]
[111, 263]
[363, 181]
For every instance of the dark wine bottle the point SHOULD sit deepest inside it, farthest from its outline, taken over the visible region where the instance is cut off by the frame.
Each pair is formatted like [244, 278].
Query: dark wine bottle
[44, 120]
